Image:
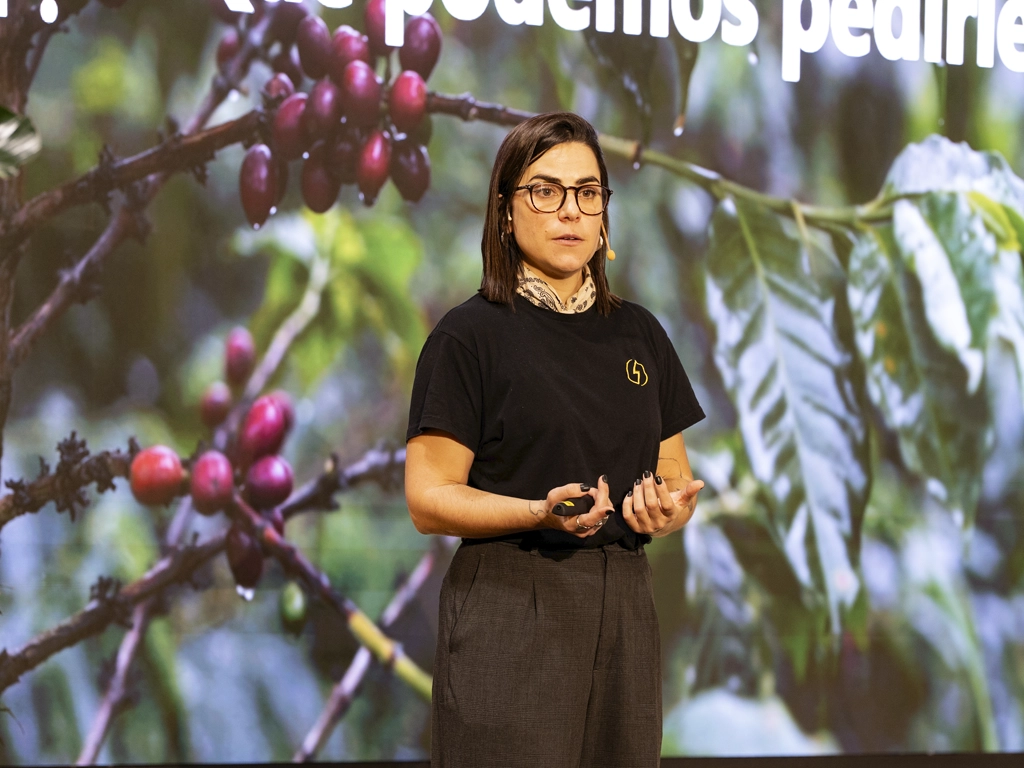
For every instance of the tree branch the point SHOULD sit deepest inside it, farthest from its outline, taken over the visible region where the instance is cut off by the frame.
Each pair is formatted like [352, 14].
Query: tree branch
[174, 568]
[344, 692]
[176, 153]
[385, 467]
[105, 608]
[63, 486]
[386, 650]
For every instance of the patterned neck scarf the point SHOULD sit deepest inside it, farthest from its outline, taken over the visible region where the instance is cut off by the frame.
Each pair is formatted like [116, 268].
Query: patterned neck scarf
[536, 290]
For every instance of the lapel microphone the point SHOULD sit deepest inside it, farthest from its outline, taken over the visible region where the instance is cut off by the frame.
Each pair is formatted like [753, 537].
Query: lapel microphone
[611, 253]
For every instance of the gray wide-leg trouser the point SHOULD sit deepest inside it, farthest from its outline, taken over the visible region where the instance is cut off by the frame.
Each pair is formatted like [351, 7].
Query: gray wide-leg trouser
[547, 660]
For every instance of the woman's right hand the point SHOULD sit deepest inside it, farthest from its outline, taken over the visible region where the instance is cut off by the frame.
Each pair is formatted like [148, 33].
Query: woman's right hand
[583, 525]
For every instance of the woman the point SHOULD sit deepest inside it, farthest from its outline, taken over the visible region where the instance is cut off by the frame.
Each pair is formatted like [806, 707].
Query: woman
[542, 388]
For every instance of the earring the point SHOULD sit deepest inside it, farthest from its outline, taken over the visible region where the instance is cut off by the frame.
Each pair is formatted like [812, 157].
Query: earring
[600, 242]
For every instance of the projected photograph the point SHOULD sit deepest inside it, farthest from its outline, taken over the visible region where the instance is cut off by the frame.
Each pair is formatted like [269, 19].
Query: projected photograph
[228, 227]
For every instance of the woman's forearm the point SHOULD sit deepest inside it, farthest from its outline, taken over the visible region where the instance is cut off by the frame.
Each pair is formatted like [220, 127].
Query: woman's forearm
[455, 509]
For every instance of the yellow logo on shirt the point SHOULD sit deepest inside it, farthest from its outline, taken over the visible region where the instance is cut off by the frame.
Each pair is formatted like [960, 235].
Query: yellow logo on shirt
[636, 372]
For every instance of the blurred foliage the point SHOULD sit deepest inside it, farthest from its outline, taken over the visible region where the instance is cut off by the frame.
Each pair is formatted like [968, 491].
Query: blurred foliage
[854, 578]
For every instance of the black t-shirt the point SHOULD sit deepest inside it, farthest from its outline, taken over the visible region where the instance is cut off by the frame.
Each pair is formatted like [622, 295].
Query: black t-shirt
[544, 399]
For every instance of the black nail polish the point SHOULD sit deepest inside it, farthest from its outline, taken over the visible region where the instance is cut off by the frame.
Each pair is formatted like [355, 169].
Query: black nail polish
[657, 479]
[584, 487]
[628, 495]
[647, 473]
[605, 478]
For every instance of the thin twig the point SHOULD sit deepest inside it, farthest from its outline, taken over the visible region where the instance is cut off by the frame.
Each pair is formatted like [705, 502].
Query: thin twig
[344, 692]
[117, 689]
[382, 466]
[386, 650]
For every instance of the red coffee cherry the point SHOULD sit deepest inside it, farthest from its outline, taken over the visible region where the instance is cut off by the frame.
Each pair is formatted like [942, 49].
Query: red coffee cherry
[268, 482]
[319, 187]
[343, 159]
[284, 400]
[407, 103]
[156, 475]
[284, 24]
[362, 90]
[212, 484]
[262, 431]
[422, 45]
[410, 169]
[278, 88]
[216, 404]
[374, 166]
[230, 44]
[287, 62]
[347, 45]
[258, 184]
[239, 356]
[374, 25]
[322, 115]
[289, 133]
[245, 558]
[313, 39]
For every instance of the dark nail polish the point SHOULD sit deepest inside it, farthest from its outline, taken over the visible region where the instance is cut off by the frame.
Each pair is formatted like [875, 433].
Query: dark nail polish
[628, 495]
[637, 481]
[605, 478]
[584, 487]
[657, 479]
[647, 473]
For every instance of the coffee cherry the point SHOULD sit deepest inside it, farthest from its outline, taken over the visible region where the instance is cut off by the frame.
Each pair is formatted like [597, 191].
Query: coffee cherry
[343, 159]
[212, 484]
[284, 400]
[287, 62]
[319, 187]
[245, 557]
[422, 45]
[216, 404]
[323, 110]
[374, 162]
[239, 356]
[289, 134]
[278, 88]
[347, 45]
[410, 169]
[268, 482]
[362, 90]
[230, 44]
[374, 25]
[408, 101]
[284, 24]
[292, 607]
[156, 475]
[262, 431]
[313, 39]
[258, 184]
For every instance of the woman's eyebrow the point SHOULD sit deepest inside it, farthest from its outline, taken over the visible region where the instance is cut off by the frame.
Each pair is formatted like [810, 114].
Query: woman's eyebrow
[553, 180]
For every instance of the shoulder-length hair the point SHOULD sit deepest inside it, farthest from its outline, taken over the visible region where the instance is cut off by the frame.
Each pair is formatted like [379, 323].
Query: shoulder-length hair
[521, 147]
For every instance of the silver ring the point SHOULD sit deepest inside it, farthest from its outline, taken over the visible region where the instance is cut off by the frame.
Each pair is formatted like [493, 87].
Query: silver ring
[581, 528]
[601, 522]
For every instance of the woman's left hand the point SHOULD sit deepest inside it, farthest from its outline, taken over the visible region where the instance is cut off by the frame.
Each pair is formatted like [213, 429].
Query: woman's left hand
[651, 508]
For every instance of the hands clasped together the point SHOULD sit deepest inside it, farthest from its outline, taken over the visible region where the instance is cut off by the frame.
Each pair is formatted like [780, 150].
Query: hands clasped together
[649, 507]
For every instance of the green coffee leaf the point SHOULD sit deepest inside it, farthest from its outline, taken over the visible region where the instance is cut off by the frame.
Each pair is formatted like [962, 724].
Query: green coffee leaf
[791, 378]
[19, 142]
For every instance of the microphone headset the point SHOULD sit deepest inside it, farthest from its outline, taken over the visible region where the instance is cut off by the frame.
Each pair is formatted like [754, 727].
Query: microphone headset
[611, 253]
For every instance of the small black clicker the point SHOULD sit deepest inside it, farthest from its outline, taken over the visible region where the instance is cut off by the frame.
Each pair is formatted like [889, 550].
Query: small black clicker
[578, 506]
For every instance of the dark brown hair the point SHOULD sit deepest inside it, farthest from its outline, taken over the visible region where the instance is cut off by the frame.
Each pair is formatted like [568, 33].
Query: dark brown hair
[521, 147]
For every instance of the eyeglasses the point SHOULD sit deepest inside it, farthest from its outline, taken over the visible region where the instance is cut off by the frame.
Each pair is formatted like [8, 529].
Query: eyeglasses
[548, 197]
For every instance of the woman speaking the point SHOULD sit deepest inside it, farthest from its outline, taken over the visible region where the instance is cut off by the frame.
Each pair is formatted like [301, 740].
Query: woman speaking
[542, 389]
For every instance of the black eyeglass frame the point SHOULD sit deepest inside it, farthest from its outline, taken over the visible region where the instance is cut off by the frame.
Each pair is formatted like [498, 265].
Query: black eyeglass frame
[565, 194]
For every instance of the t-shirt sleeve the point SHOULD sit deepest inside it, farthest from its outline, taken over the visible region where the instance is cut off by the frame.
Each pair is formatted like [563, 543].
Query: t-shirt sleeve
[447, 391]
[679, 406]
